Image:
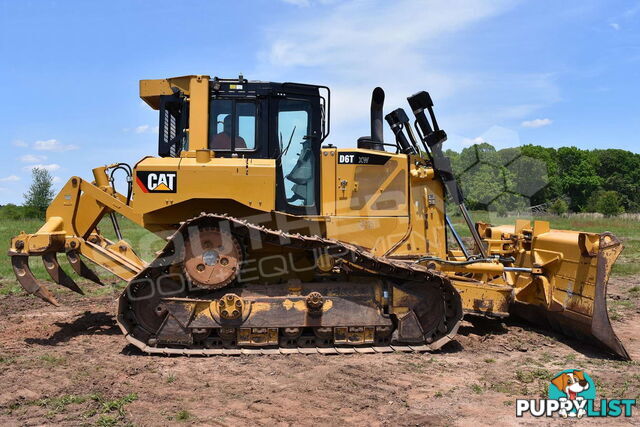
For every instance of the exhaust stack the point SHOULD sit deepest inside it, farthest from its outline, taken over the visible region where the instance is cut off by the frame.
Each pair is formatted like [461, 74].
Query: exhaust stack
[376, 140]
[377, 102]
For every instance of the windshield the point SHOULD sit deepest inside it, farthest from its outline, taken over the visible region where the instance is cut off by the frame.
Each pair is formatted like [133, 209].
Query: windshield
[296, 152]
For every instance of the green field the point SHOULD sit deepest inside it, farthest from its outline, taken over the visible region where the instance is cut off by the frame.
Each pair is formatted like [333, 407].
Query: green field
[146, 244]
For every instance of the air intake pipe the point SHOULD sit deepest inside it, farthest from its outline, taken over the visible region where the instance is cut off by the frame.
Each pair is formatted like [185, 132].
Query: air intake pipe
[376, 140]
[377, 102]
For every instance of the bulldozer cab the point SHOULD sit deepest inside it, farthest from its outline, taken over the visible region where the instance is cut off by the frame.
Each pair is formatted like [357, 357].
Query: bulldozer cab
[286, 122]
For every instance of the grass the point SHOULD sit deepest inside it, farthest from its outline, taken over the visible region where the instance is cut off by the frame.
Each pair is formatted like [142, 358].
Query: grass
[118, 404]
[53, 360]
[59, 403]
[476, 388]
[618, 308]
[529, 376]
[546, 357]
[628, 386]
[527, 382]
[183, 415]
[7, 360]
[110, 412]
[107, 421]
[509, 388]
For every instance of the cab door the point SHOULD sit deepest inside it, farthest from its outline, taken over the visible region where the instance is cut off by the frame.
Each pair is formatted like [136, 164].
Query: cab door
[297, 149]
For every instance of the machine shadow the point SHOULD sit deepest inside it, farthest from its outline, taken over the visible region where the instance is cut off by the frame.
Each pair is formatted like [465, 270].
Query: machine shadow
[88, 323]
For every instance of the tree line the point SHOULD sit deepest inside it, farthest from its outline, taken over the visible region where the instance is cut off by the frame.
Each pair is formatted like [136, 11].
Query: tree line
[567, 179]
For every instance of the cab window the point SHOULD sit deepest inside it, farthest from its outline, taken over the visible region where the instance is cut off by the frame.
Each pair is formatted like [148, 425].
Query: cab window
[232, 125]
[297, 156]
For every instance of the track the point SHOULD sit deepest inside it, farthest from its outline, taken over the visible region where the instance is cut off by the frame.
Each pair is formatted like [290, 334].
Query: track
[349, 261]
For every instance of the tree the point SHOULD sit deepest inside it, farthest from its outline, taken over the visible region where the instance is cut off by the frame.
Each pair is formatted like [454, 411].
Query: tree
[40, 193]
[608, 203]
[492, 179]
[559, 207]
[579, 178]
[553, 189]
[620, 171]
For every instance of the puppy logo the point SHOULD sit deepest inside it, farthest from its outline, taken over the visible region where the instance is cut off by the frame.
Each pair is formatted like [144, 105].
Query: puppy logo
[572, 393]
[157, 182]
[572, 386]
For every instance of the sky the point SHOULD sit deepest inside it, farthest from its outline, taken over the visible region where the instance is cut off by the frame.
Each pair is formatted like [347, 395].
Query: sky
[553, 73]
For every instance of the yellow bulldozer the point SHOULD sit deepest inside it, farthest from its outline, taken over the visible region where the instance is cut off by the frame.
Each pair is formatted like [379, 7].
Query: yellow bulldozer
[279, 242]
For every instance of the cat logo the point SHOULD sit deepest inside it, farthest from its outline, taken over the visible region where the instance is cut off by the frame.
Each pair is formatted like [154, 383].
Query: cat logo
[157, 182]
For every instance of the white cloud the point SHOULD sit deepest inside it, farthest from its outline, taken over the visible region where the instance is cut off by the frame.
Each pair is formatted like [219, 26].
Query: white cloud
[10, 178]
[51, 167]
[141, 129]
[536, 123]
[19, 143]
[144, 129]
[30, 158]
[498, 136]
[56, 179]
[632, 11]
[615, 26]
[471, 141]
[53, 145]
[302, 3]
[501, 137]
[358, 45]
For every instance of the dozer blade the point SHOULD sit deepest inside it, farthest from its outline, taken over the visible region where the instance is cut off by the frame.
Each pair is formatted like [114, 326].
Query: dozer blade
[81, 268]
[27, 280]
[57, 274]
[571, 299]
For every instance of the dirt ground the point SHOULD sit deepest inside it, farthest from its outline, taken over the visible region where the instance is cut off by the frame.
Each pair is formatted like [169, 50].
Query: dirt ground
[70, 365]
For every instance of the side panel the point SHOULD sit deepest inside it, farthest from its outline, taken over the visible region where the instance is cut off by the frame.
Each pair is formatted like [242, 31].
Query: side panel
[427, 210]
[379, 234]
[163, 182]
[370, 198]
[371, 183]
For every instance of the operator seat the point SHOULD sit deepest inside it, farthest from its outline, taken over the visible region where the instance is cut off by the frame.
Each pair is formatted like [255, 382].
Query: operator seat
[222, 140]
